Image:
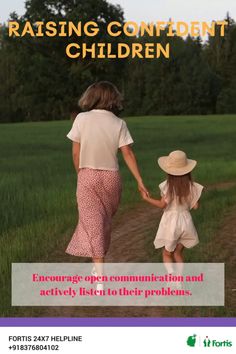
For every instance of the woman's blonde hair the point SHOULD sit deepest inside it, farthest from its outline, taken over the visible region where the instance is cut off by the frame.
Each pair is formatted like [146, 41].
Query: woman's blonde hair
[102, 95]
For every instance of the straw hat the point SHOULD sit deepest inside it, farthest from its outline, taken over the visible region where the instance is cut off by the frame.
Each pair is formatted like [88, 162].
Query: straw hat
[176, 163]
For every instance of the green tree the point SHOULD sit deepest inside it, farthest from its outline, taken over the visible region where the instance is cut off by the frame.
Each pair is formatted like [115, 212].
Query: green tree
[46, 82]
[221, 56]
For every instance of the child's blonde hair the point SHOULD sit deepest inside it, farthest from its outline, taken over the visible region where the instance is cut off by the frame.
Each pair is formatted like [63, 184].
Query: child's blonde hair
[179, 186]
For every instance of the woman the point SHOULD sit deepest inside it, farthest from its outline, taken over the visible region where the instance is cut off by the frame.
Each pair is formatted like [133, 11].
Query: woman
[97, 134]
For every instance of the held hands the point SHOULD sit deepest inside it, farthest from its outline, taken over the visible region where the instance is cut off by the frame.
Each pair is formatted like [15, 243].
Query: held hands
[143, 190]
[144, 195]
[159, 203]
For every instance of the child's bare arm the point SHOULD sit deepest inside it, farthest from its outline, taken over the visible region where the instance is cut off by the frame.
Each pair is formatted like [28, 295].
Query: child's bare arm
[196, 206]
[159, 203]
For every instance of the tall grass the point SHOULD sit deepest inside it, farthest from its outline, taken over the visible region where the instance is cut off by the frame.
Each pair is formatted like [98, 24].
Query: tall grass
[37, 184]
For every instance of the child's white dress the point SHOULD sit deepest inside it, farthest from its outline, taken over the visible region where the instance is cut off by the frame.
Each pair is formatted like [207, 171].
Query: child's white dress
[176, 225]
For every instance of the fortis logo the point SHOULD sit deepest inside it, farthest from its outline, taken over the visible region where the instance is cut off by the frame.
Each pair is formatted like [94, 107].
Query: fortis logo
[207, 342]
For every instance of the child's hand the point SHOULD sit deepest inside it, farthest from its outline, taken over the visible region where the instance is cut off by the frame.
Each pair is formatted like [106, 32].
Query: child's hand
[144, 195]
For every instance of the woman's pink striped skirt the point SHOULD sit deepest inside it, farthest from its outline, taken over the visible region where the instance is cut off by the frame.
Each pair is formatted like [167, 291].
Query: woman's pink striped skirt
[98, 196]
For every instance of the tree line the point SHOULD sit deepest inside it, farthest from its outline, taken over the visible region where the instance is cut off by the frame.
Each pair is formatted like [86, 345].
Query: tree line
[39, 82]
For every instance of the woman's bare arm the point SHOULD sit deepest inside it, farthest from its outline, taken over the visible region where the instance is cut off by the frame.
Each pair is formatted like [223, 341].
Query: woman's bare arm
[131, 162]
[75, 155]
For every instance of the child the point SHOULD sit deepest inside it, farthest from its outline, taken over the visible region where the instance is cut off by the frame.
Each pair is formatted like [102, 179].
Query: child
[179, 196]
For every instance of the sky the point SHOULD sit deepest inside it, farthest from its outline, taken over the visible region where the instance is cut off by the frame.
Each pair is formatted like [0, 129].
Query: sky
[153, 10]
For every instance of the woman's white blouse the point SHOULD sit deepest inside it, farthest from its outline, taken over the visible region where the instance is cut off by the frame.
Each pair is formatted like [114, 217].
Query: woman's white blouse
[100, 134]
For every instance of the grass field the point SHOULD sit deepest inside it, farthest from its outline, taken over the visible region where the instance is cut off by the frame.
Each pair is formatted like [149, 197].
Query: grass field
[37, 184]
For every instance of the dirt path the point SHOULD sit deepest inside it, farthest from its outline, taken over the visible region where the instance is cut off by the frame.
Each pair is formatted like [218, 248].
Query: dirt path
[129, 244]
